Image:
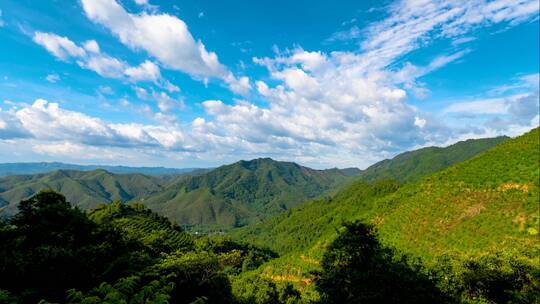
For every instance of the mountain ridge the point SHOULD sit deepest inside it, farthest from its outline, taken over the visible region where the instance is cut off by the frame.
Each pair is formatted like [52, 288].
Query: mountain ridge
[412, 165]
[244, 191]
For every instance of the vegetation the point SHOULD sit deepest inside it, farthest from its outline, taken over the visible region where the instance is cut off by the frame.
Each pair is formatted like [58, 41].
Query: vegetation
[483, 211]
[242, 193]
[413, 165]
[356, 268]
[86, 189]
[229, 196]
[119, 254]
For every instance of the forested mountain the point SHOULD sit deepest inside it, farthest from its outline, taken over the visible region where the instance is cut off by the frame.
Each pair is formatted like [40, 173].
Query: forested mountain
[411, 166]
[228, 196]
[244, 192]
[86, 189]
[43, 167]
[478, 215]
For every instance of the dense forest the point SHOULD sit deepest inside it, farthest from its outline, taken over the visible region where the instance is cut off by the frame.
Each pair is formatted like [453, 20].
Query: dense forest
[464, 230]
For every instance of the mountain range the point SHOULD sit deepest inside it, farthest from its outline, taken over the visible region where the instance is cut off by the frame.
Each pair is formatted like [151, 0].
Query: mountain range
[44, 167]
[229, 196]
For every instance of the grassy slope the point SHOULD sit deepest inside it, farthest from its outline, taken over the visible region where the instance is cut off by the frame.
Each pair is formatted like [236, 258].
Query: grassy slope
[413, 165]
[243, 192]
[87, 188]
[484, 205]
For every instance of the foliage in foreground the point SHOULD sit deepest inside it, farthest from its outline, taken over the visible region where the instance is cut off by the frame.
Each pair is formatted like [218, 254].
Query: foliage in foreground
[357, 268]
[126, 254]
[53, 252]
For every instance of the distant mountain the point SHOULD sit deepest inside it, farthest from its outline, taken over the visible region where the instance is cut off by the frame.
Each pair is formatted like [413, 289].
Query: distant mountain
[85, 189]
[43, 167]
[243, 192]
[411, 166]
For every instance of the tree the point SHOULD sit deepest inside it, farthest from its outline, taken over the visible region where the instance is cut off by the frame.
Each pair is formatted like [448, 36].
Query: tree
[49, 247]
[356, 268]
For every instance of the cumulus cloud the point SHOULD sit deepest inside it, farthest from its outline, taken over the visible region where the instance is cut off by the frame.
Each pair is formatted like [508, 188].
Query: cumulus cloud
[89, 56]
[146, 71]
[47, 121]
[321, 104]
[61, 47]
[165, 37]
[11, 127]
[91, 46]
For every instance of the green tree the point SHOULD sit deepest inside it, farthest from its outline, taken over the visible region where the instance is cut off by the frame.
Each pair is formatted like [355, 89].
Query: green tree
[49, 247]
[356, 268]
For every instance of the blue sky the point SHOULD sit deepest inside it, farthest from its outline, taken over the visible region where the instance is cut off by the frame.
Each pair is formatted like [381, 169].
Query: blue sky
[203, 83]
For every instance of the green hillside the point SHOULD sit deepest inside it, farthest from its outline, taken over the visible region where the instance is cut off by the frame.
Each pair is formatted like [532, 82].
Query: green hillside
[241, 193]
[86, 188]
[486, 204]
[483, 207]
[413, 165]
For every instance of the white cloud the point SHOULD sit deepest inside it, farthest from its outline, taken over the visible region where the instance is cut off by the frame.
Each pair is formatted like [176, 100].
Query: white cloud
[90, 57]
[11, 127]
[52, 78]
[239, 86]
[509, 114]
[412, 24]
[164, 102]
[91, 46]
[350, 34]
[171, 87]
[462, 40]
[321, 105]
[48, 122]
[419, 122]
[61, 47]
[163, 36]
[104, 65]
[146, 71]
[489, 106]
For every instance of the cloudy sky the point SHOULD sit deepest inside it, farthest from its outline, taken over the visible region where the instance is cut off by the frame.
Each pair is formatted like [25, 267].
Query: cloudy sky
[203, 83]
